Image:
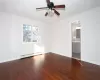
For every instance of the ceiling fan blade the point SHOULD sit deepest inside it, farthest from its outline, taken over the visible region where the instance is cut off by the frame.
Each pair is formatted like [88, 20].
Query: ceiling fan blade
[59, 6]
[46, 13]
[48, 1]
[56, 12]
[41, 8]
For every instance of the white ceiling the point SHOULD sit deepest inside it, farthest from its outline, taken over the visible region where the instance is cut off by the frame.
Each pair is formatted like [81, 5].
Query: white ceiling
[27, 8]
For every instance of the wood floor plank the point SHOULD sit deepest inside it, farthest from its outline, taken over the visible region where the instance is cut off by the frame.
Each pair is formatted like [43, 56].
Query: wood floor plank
[49, 67]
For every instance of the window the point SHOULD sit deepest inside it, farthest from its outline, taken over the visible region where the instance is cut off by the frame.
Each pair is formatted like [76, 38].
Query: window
[30, 33]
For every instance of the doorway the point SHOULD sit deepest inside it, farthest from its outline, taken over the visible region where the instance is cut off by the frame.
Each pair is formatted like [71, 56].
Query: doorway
[76, 39]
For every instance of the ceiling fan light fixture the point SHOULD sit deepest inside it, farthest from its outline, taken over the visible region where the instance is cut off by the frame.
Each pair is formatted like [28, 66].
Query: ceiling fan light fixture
[50, 13]
[51, 8]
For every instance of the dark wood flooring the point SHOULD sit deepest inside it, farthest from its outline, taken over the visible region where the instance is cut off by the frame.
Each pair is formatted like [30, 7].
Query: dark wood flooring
[49, 67]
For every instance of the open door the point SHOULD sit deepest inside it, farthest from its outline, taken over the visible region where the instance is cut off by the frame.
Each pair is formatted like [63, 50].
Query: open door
[76, 39]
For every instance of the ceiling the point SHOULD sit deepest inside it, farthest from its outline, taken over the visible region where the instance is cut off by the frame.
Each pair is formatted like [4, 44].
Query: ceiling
[27, 8]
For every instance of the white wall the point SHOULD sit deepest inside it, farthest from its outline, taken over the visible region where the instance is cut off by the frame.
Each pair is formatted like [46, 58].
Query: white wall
[61, 38]
[54, 38]
[90, 44]
[5, 25]
[11, 33]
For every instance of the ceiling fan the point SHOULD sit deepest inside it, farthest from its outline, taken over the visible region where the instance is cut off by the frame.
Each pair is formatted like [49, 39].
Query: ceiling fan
[52, 7]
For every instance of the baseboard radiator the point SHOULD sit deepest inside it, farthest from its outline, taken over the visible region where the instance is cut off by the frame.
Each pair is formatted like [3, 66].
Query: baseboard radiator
[30, 55]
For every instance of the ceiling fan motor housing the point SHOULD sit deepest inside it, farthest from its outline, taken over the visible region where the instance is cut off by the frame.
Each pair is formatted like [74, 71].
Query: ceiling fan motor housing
[50, 5]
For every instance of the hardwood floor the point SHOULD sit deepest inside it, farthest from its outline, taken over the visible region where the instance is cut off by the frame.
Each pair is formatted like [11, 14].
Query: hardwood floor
[49, 67]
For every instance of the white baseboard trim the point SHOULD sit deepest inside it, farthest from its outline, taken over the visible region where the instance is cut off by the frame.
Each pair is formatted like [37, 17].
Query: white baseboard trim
[19, 57]
[78, 59]
[16, 58]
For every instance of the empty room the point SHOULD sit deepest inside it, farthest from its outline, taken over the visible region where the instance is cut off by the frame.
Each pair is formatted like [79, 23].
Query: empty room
[49, 39]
